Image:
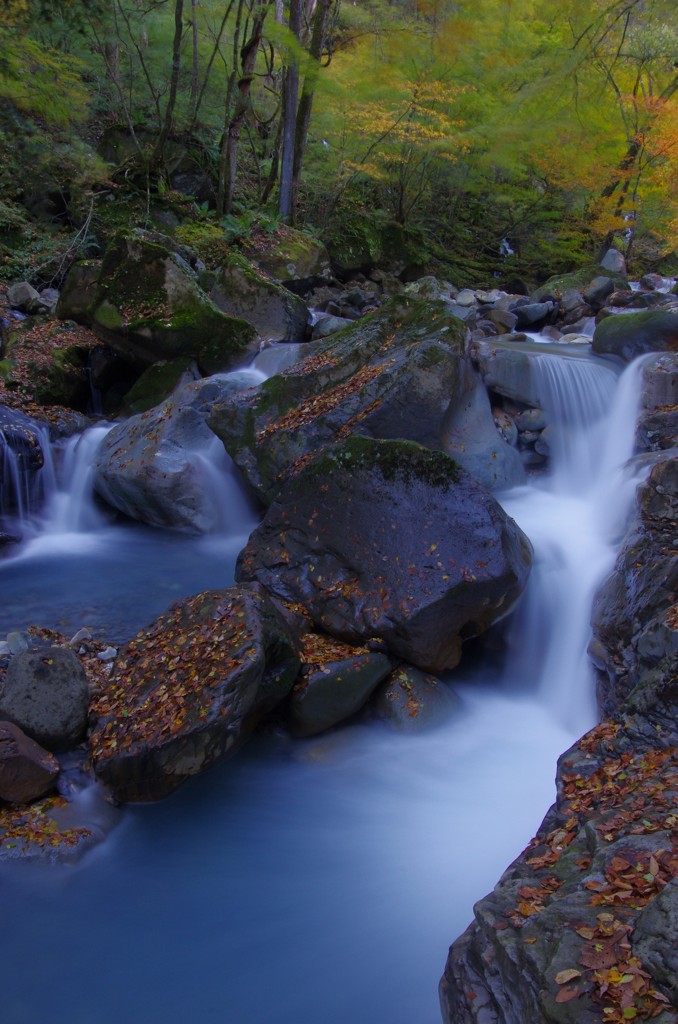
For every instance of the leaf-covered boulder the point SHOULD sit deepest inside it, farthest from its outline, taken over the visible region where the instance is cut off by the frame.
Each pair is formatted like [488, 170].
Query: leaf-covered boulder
[388, 539]
[149, 306]
[166, 468]
[657, 425]
[401, 372]
[568, 934]
[188, 690]
[632, 334]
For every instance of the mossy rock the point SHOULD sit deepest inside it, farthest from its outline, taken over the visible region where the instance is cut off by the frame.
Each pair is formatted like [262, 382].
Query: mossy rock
[354, 245]
[395, 373]
[633, 334]
[578, 280]
[155, 384]
[240, 290]
[149, 307]
[290, 255]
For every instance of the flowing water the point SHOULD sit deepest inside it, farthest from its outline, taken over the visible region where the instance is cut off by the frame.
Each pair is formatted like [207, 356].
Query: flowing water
[321, 879]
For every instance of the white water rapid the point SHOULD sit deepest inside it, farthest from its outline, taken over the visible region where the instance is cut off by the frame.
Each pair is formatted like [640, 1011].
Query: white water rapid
[325, 879]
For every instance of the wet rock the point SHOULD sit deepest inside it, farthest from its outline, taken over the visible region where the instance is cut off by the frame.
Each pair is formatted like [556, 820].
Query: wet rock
[336, 681]
[27, 771]
[387, 539]
[158, 467]
[46, 694]
[401, 372]
[597, 291]
[189, 690]
[634, 334]
[413, 701]
[613, 260]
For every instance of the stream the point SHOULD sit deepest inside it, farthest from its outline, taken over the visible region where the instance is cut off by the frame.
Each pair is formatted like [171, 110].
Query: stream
[321, 879]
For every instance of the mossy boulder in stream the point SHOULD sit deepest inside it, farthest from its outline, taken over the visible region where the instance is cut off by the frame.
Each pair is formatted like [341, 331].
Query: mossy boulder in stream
[401, 372]
[188, 690]
[632, 334]
[149, 306]
[388, 539]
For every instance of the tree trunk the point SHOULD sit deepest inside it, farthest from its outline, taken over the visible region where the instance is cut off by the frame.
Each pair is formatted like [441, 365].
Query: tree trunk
[248, 58]
[158, 152]
[320, 26]
[195, 68]
[289, 115]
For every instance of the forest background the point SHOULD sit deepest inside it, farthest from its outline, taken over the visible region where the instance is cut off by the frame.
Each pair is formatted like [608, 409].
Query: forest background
[479, 139]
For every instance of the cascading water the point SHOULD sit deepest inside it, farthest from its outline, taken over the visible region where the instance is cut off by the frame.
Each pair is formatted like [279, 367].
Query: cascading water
[326, 878]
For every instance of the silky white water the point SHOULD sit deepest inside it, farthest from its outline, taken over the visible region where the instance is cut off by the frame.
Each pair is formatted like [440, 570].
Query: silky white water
[322, 879]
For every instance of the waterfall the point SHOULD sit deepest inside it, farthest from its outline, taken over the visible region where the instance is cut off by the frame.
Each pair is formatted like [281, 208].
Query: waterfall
[71, 507]
[573, 519]
[23, 487]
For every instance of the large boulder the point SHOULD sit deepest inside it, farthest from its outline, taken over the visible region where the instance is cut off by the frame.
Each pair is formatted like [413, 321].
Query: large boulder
[188, 690]
[149, 306]
[239, 289]
[292, 257]
[46, 694]
[401, 372]
[26, 770]
[388, 539]
[629, 335]
[581, 926]
[635, 617]
[165, 467]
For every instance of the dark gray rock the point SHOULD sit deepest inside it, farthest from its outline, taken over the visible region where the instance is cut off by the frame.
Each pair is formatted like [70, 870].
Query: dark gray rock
[387, 539]
[413, 701]
[158, 466]
[333, 685]
[46, 694]
[27, 771]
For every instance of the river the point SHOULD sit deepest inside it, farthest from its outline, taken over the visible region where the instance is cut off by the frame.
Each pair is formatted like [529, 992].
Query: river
[321, 879]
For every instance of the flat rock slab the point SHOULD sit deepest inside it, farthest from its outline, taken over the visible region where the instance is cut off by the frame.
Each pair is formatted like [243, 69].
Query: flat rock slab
[26, 770]
[388, 539]
[188, 690]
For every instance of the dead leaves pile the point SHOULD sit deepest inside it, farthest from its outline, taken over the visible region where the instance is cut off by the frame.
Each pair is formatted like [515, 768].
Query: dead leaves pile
[610, 973]
[33, 825]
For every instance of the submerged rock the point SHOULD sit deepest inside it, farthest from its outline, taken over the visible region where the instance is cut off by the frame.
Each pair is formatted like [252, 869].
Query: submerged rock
[387, 539]
[189, 690]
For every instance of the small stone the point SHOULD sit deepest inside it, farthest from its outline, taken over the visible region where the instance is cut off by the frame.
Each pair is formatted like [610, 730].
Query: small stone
[82, 634]
[108, 654]
[18, 642]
